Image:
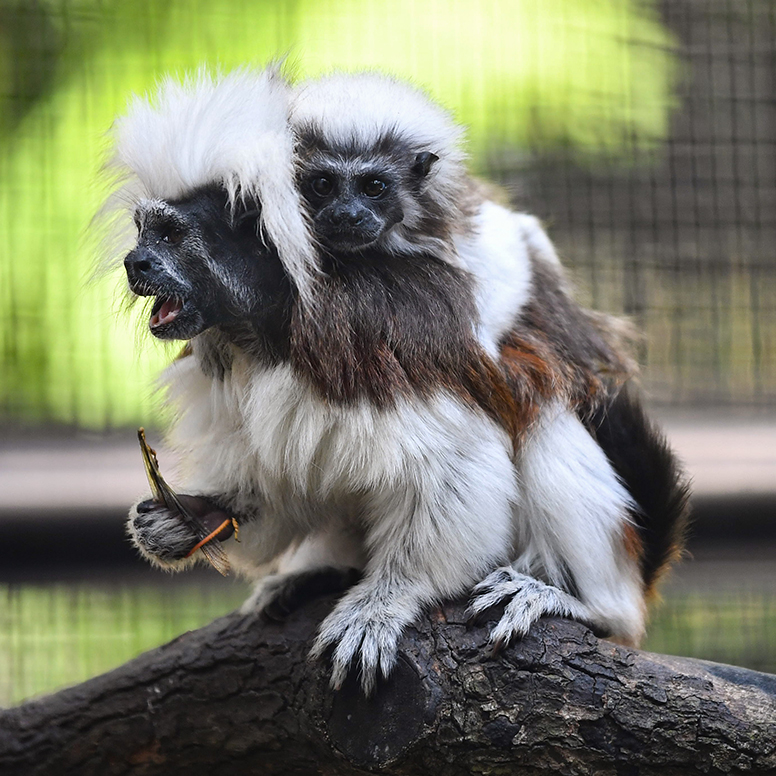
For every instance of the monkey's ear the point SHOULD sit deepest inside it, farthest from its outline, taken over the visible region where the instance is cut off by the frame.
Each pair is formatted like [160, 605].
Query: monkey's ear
[423, 162]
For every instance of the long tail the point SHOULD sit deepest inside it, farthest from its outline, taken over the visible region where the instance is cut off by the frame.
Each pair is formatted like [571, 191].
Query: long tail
[650, 471]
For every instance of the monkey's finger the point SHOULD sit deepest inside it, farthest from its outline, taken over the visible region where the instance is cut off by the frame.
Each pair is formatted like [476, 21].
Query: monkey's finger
[496, 646]
[149, 505]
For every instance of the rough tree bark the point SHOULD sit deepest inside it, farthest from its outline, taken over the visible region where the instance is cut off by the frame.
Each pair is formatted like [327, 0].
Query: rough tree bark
[239, 697]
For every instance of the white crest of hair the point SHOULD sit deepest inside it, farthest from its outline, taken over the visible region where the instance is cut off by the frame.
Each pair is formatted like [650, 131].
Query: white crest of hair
[230, 130]
[360, 109]
[382, 104]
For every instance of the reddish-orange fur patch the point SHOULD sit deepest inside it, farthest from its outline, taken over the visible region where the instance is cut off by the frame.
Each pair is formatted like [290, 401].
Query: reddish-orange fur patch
[634, 547]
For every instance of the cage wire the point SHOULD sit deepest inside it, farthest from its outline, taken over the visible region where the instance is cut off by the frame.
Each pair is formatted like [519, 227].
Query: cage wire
[682, 239]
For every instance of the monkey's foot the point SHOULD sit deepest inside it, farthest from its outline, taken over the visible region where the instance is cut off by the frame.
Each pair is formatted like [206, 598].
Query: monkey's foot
[530, 599]
[361, 626]
[278, 595]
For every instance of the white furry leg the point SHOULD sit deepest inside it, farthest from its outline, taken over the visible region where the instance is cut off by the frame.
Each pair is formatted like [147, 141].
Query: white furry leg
[531, 599]
[571, 525]
[436, 527]
[367, 623]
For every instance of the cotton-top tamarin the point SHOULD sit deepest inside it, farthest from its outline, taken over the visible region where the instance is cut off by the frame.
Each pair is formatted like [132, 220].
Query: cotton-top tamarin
[598, 503]
[391, 403]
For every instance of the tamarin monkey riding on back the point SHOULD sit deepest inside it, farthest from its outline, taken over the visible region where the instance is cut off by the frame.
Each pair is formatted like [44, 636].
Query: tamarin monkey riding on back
[601, 506]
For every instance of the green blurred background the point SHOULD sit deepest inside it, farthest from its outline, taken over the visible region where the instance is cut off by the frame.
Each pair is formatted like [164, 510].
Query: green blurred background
[644, 133]
[595, 77]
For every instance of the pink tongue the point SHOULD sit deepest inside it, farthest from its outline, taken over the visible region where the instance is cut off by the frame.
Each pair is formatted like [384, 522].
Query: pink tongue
[167, 312]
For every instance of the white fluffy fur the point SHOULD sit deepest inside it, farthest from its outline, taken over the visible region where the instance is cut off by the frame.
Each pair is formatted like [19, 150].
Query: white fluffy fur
[497, 253]
[358, 109]
[231, 130]
[429, 486]
[425, 498]
[569, 525]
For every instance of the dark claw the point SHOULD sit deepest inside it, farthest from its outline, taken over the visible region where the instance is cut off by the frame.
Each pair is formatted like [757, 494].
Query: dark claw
[492, 613]
[473, 619]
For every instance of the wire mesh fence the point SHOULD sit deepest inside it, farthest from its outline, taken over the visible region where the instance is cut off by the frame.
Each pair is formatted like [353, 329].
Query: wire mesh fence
[642, 133]
[683, 239]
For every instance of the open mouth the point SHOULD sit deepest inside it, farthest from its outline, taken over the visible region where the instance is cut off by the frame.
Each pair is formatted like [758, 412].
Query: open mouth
[164, 312]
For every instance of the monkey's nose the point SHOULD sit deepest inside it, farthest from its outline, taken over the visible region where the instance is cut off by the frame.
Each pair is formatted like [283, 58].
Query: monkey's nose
[136, 266]
[141, 268]
[348, 216]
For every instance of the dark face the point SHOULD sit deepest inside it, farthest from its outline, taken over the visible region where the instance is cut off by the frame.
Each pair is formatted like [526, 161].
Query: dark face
[355, 202]
[204, 265]
[352, 209]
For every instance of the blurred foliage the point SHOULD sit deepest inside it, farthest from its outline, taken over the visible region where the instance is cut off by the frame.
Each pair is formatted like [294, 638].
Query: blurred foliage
[595, 75]
[592, 75]
[30, 45]
[738, 628]
[58, 635]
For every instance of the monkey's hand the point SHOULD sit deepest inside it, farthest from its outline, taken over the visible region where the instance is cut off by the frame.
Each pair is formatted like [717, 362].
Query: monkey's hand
[163, 536]
[366, 623]
[528, 600]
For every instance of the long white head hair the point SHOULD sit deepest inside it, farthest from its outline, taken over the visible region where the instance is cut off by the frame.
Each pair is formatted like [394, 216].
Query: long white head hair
[230, 130]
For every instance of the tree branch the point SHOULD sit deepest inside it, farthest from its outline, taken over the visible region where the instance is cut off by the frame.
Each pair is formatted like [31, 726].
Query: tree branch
[239, 697]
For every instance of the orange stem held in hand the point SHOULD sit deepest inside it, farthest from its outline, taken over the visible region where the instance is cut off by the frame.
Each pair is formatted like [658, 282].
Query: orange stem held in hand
[212, 535]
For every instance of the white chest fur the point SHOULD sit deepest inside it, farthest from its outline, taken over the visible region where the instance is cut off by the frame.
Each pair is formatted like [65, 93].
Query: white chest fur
[264, 430]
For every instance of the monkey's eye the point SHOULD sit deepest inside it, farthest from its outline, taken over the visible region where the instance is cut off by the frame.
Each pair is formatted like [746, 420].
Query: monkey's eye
[374, 187]
[322, 185]
[172, 235]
